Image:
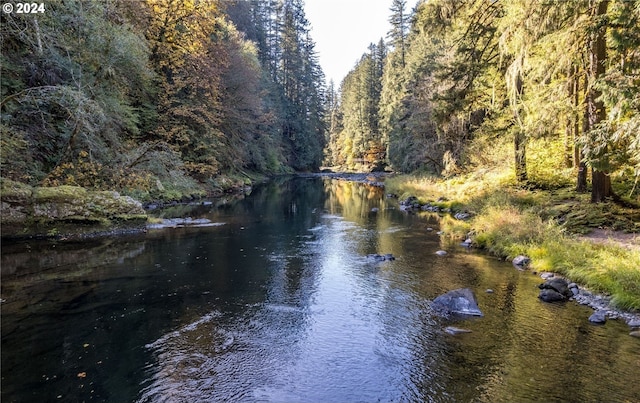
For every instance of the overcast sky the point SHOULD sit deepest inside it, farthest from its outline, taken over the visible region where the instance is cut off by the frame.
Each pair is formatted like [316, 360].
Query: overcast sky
[343, 30]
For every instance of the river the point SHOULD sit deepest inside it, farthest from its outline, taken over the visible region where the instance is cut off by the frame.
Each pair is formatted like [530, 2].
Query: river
[278, 302]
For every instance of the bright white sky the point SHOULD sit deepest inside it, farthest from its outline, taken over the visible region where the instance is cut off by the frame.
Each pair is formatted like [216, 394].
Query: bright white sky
[343, 30]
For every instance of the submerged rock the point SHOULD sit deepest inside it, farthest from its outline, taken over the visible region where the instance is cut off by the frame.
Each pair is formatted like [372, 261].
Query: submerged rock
[548, 295]
[456, 330]
[183, 222]
[598, 317]
[461, 301]
[381, 258]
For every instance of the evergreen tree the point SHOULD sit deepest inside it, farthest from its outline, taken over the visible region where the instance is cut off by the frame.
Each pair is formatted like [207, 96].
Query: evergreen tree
[400, 21]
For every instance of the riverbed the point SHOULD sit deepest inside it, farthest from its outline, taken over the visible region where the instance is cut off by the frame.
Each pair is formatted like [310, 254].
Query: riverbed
[279, 301]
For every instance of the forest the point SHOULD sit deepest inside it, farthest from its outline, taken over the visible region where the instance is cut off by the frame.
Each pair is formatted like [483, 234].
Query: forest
[159, 99]
[547, 89]
[162, 99]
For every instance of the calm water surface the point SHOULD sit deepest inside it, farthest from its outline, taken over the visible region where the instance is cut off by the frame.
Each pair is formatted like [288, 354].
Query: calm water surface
[281, 304]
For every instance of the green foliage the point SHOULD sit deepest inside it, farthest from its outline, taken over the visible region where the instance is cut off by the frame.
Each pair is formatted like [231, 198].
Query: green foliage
[476, 84]
[157, 98]
[545, 164]
[359, 144]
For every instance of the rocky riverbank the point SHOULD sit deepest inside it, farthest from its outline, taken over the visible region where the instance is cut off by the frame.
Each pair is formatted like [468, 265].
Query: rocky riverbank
[76, 213]
[555, 288]
[42, 211]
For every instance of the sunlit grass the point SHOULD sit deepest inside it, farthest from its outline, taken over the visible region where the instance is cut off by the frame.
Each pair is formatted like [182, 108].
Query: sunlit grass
[508, 221]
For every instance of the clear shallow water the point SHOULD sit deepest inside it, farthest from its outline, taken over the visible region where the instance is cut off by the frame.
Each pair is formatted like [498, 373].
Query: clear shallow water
[281, 304]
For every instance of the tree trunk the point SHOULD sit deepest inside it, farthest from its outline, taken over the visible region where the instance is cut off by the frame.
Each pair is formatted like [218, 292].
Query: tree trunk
[521, 156]
[600, 186]
[581, 185]
[569, 135]
[520, 141]
[601, 183]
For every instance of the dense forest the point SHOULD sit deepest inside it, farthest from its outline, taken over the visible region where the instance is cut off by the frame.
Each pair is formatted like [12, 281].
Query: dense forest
[159, 98]
[167, 98]
[550, 89]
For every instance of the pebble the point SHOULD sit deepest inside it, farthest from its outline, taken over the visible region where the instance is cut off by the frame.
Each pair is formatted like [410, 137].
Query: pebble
[489, 291]
[441, 253]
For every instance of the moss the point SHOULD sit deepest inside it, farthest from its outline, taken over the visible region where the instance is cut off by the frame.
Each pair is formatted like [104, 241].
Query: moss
[32, 210]
[14, 191]
[60, 194]
[130, 217]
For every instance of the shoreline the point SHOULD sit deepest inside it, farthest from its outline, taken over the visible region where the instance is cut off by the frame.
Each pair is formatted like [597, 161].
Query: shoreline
[78, 231]
[505, 222]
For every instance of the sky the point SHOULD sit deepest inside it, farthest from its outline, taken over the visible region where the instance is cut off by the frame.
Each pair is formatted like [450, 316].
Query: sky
[343, 30]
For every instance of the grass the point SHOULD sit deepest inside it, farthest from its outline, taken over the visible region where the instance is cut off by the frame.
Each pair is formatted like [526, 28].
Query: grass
[543, 224]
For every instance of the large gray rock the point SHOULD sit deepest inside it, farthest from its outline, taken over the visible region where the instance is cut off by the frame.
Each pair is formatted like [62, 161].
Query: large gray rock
[548, 295]
[23, 206]
[461, 301]
[555, 289]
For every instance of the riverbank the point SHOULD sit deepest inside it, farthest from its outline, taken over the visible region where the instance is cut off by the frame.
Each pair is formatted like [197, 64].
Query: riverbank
[551, 227]
[76, 213]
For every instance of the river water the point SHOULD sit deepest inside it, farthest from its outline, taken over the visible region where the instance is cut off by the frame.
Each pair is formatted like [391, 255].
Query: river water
[279, 303]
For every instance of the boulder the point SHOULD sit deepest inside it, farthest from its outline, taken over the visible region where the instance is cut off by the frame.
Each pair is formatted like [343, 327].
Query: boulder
[23, 207]
[521, 262]
[598, 317]
[461, 301]
[548, 295]
[555, 289]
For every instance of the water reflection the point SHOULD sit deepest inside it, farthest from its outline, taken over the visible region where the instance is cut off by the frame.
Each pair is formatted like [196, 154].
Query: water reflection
[282, 304]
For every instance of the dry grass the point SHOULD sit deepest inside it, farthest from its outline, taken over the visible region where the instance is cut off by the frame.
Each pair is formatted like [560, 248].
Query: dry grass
[509, 221]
